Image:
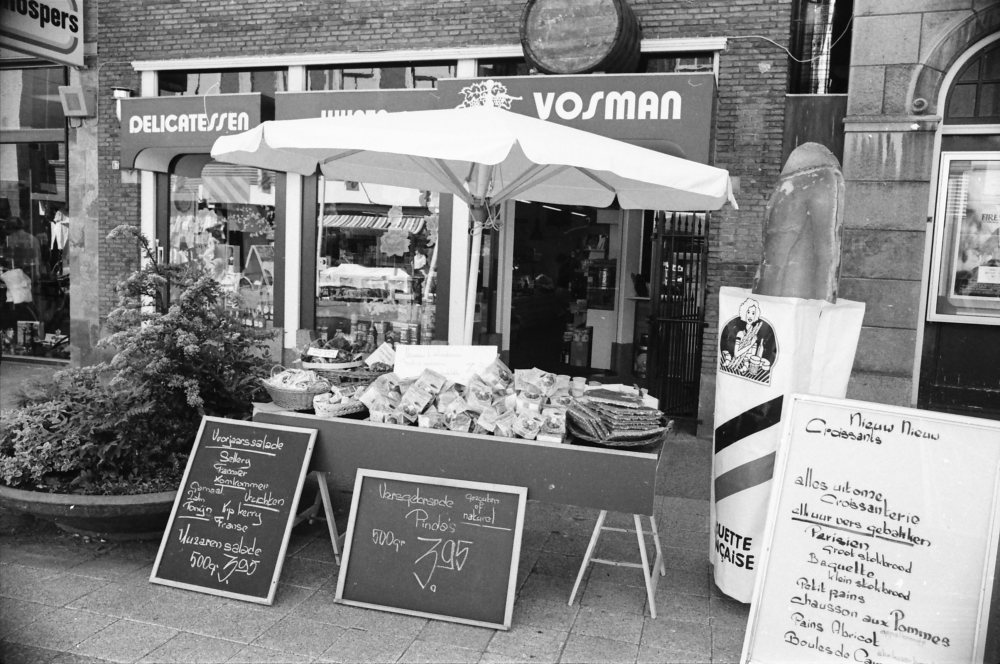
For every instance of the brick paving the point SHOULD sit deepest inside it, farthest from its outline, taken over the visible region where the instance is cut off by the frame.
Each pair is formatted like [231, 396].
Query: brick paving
[67, 599]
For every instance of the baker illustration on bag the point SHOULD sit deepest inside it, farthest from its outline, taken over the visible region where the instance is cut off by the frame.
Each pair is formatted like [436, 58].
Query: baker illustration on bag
[748, 347]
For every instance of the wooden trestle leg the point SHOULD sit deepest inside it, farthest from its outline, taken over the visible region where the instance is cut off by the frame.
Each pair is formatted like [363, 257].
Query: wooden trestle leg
[649, 572]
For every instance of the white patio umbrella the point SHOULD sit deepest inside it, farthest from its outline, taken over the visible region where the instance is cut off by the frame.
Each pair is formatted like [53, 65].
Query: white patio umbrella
[485, 156]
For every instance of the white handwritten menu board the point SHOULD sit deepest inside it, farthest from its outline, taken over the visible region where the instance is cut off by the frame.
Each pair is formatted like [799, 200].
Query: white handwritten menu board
[881, 539]
[432, 547]
[235, 509]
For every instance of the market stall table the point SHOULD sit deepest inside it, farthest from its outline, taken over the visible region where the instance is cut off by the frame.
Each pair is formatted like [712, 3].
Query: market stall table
[577, 473]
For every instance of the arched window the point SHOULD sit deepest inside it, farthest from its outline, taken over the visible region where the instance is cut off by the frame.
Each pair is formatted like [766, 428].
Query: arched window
[974, 97]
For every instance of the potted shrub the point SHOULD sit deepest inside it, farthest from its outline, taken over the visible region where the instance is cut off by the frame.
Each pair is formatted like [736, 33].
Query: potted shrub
[101, 449]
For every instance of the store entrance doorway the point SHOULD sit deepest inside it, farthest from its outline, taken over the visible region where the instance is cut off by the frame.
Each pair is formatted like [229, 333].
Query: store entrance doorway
[563, 283]
[677, 311]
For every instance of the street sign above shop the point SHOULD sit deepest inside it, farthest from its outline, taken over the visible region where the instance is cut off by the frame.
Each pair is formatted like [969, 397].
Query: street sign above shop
[154, 130]
[51, 30]
[334, 103]
[669, 113]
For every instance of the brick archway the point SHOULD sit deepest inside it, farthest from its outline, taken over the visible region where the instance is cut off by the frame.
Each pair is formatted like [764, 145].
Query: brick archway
[926, 86]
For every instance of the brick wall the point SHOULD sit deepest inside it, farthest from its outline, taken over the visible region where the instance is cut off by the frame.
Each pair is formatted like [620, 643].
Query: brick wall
[750, 112]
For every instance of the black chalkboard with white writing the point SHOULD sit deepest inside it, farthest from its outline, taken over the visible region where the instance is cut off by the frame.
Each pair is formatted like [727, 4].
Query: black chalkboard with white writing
[235, 509]
[432, 547]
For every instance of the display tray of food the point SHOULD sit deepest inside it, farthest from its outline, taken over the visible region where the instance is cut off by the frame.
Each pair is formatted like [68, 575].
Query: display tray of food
[524, 427]
[575, 472]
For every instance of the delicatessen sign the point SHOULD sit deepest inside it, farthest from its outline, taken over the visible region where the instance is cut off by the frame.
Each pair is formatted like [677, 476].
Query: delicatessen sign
[187, 124]
[881, 539]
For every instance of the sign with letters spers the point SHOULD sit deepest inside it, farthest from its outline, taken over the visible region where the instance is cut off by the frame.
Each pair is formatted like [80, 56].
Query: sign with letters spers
[881, 541]
[431, 547]
[235, 509]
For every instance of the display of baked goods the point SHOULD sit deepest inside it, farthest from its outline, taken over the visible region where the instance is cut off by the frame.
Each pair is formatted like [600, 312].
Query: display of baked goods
[615, 419]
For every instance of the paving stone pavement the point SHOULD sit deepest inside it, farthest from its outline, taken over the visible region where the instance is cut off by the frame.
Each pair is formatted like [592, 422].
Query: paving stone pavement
[67, 599]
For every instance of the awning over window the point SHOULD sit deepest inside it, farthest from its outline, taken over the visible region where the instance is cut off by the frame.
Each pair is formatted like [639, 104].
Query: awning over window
[411, 225]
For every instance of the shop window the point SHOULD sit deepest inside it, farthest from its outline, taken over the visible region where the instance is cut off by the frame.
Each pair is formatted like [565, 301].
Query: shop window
[389, 76]
[377, 261]
[503, 67]
[966, 270]
[975, 96]
[34, 252]
[820, 46]
[671, 63]
[649, 63]
[223, 220]
[230, 81]
[29, 98]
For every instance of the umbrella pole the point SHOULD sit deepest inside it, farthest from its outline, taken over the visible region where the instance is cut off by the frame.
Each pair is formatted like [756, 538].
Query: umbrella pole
[479, 211]
[470, 303]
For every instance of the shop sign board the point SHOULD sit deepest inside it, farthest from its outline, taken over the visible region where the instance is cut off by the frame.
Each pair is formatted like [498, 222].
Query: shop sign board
[881, 540]
[433, 547]
[671, 113]
[47, 29]
[187, 124]
[335, 103]
[235, 509]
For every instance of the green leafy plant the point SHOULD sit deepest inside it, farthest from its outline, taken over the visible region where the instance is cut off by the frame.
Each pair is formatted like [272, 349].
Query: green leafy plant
[127, 425]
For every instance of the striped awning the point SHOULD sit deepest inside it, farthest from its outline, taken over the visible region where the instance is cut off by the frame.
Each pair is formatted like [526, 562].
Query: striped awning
[363, 221]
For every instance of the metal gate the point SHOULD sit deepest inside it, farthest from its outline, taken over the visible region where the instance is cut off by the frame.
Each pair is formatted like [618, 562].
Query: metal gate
[677, 310]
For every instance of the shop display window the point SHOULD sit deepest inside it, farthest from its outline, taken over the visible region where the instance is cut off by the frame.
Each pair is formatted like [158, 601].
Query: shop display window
[34, 252]
[965, 276]
[223, 219]
[376, 263]
[34, 219]
[388, 76]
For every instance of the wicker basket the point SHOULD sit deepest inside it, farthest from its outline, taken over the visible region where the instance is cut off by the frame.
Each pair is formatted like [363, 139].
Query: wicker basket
[294, 399]
[327, 409]
[341, 376]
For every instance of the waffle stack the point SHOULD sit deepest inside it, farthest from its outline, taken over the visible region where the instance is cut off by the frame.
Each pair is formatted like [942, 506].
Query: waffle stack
[612, 418]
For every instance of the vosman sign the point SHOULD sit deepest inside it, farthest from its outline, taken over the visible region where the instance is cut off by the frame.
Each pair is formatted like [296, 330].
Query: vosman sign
[670, 113]
[47, 29]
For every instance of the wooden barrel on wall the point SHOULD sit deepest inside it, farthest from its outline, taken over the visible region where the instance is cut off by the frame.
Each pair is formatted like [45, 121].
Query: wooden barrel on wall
[580, 36]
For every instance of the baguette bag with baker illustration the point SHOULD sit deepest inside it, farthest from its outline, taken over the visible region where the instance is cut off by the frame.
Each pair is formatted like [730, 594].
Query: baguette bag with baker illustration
[788, 334]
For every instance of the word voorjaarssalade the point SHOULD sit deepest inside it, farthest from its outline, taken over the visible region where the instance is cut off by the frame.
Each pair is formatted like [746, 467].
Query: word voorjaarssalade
[230, 504]
[867, 430]
[847, 578]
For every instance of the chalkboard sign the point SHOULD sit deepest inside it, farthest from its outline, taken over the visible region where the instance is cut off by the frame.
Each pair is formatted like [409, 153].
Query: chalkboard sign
[234, 509]
[431, 547]
[881, 540]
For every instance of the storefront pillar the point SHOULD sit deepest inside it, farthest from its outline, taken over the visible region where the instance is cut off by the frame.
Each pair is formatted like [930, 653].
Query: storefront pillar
[147, 179]
[84, 231]
[459, 276]
[293, 263]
